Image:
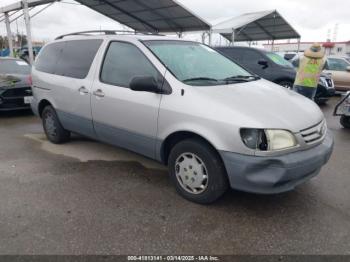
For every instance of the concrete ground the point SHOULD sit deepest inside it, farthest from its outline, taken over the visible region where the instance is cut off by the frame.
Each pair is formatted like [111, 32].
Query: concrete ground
[89, 198]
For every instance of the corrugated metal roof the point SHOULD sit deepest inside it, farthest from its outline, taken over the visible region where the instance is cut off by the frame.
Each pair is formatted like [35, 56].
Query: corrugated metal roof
[266, 25]
[149, 15]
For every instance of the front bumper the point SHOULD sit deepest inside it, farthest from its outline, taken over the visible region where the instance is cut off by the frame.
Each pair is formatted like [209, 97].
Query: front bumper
[273, 175]
[13, 98]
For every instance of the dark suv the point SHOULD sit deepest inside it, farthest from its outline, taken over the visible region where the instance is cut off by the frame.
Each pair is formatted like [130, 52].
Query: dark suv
[274, 68]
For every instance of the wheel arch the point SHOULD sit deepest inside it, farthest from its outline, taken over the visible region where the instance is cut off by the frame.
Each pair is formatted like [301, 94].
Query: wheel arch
[42, 104]
[282, 79]
[174, 138]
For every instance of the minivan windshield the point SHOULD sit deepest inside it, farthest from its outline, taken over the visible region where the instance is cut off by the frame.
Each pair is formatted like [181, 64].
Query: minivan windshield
[279, 59]
[197, 64]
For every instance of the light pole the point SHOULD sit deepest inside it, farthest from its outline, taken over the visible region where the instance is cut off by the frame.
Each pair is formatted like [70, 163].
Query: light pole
[9, 34]
[28, 29]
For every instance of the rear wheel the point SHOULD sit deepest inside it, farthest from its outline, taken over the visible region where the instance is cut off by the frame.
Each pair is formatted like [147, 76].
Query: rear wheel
[345, 121]
[197, 171]
[53, 128]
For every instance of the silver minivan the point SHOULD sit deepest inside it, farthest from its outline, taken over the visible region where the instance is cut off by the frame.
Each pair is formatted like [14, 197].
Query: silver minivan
[185, 105]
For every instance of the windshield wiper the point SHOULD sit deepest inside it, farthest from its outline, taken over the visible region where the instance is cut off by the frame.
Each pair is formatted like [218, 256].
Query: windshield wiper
[241, 78]
[200, 79]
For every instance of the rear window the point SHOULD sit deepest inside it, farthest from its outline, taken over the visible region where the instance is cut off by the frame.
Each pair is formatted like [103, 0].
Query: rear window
[69, 58]
[18, 67]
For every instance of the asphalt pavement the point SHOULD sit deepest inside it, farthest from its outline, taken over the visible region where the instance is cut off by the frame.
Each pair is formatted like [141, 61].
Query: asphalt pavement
[85, 197]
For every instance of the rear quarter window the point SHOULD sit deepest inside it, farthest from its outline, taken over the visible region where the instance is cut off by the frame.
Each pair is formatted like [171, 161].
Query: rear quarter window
[70, 58]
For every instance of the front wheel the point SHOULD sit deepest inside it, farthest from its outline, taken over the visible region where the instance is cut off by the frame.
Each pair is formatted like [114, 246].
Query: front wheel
[345, 121]
[197, 171]
[286, 83]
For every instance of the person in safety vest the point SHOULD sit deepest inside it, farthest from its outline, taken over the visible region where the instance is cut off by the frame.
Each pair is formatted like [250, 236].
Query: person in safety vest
[309, 71]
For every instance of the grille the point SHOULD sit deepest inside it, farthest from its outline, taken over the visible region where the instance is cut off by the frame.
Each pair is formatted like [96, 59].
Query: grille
[17, 92]
[315, 133]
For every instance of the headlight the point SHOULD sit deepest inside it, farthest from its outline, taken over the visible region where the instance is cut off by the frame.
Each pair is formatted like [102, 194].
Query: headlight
[268, 139]
[323, 81]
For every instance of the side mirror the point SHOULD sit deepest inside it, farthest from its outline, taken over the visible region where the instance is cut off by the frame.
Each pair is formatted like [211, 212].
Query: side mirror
[145, 84]
[263, 63]
[348, 69]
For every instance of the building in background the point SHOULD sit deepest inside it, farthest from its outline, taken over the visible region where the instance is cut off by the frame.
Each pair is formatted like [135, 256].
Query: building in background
[332, 48]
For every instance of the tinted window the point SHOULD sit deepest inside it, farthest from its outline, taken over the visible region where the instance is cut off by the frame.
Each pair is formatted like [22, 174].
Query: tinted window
[250, 56]
[14, 67]
[71, 58]
[123, 62]
[46, 62]
[76, 58]
[232, 53]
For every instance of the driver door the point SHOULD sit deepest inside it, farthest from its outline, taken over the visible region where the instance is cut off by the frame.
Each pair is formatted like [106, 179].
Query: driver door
[121, 116]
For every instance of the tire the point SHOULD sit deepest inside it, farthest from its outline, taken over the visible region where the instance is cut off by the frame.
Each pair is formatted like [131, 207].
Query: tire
[54, 130]
[286, 83]
[189, 162]
[345, 121]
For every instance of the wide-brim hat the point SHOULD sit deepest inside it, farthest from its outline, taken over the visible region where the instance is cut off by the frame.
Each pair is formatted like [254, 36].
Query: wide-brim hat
[315, 51]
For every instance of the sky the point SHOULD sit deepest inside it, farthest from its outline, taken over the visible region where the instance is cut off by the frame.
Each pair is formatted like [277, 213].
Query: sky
[311, 18]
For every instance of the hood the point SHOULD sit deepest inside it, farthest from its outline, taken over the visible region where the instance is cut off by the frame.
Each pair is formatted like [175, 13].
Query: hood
[261, 104]
[13, 81]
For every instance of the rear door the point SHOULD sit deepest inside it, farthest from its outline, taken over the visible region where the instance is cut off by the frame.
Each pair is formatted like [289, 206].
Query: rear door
[69, 79]
[121, 116]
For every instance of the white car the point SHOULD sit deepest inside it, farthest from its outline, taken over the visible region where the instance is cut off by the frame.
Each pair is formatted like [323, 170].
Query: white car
[182, 103]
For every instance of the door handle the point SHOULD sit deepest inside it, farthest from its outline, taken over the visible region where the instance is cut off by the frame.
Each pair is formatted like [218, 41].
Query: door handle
[82, 90]
[99, 93]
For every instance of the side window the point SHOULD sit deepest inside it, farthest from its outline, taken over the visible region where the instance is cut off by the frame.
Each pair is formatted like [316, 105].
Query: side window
[250, 57]
[123, 62]
[76, 58]
[48, 57]
[336, 64]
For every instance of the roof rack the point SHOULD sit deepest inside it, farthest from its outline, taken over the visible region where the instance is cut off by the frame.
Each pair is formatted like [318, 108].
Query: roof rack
[106, 32]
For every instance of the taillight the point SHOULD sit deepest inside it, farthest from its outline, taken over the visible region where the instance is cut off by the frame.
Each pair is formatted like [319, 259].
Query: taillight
[30, 80]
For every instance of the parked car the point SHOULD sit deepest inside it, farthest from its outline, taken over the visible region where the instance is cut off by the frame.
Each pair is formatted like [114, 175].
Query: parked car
[15, 84]
[338, 68]
[275, 68]
[184, 105]
[342, 109]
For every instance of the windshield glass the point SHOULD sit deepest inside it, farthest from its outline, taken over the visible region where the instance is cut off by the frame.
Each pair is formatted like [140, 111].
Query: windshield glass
[279, 59]
[337, 64]
[14, 67]
[196, 64]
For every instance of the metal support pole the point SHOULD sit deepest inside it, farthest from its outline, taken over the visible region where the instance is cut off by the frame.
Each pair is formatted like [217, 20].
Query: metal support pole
[9, 33]
[298, 45]
[203, 38]
[210, 37]
[233, 36]
[28, 29]
[273, 44]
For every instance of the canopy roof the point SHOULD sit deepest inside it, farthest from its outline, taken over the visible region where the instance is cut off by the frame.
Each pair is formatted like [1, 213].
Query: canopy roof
[149, 15]
[267, 25]
[18, 5]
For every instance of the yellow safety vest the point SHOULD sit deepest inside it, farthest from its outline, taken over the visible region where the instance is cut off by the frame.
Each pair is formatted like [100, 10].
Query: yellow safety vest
[309, 72]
